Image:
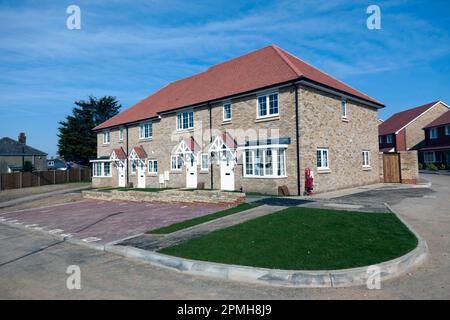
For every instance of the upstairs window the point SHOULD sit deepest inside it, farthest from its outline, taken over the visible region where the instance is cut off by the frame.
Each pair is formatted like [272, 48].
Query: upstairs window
[185, 120]
[389, 138]
[121, 134]
[227, 112]
[380, 139]
[145, 130]
[106, 137]
[268, 105]
[344, 109]
[447, 130]
[433, 133]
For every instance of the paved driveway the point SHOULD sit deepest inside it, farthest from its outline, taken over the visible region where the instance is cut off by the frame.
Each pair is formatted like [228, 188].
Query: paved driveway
[106, 221]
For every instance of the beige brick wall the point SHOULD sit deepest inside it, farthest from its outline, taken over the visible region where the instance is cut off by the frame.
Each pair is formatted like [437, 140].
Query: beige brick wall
[409, 165]
[321, 126]
[414, 132]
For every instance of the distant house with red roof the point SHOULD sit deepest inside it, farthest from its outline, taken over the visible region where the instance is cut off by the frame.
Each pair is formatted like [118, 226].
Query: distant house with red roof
[436, 148]
[403, 130]
[253, 123]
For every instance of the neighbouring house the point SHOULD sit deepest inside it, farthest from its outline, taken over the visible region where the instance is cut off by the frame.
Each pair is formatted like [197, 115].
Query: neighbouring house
[15, 153]
[436, 148]
[403, 130]
[57, 164]
[253, 123]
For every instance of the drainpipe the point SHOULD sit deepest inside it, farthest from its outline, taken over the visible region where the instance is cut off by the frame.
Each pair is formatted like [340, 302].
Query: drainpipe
[210, 141]
[126, 165]
[297, 123]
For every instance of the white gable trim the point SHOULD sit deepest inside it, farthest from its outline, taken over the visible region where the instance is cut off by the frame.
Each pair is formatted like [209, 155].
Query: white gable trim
[421, 115]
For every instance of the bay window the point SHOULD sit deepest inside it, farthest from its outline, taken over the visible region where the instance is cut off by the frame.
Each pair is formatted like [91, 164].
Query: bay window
[101, 169]
[264, 162]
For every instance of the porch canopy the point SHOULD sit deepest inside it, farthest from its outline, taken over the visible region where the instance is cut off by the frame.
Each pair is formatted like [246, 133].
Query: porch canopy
[223, 145]
[187, 148]
[138, 153]
[118, 155]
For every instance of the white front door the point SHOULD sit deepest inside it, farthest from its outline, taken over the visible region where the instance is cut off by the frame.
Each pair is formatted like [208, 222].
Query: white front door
[191, 173]
[141, 174]
[227, 174]
[121, 173]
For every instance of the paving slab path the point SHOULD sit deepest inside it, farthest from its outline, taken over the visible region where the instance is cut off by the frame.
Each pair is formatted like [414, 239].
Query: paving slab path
[154, 242]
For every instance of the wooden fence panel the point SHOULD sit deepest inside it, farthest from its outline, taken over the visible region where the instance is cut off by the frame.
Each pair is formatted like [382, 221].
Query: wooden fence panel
[391, 168]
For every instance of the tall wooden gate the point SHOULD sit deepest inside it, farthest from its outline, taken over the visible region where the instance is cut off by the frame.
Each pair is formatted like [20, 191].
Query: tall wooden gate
[391, 167]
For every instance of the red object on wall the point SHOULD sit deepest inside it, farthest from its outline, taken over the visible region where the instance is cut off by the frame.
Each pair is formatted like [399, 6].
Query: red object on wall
[309, 181]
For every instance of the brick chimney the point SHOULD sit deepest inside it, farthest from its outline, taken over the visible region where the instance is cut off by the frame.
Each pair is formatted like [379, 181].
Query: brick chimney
[22, 138]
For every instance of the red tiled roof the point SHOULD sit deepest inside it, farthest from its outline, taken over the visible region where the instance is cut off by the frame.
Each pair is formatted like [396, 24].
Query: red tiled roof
[140, 152]
[401, 119]
[442, 120]
[120, 153]
[258, 69]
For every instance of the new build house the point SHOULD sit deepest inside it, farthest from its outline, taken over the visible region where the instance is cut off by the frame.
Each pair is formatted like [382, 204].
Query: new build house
[436, 148]
[403, 130]
[253, 123]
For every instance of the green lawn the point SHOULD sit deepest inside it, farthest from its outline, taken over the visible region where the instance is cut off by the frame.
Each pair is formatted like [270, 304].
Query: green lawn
[304, 239]
[189, 223]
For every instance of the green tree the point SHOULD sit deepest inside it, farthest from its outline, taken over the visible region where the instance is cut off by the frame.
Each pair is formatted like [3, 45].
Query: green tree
[77, 142]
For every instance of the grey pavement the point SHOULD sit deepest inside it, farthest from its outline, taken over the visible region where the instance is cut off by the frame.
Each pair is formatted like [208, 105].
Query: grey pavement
[38, 196]
[41, 275]
[155, 242]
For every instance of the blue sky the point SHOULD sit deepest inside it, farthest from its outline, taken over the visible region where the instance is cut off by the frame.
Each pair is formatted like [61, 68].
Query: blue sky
[130, 49]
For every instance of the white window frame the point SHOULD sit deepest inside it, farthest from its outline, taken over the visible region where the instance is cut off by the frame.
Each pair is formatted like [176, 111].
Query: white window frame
[435, 131]
[51, 163]
[426, 157]
[263, 172]
[366, 158]
[151, 164]
[180, 122]
[121, 134]
[447, 130]
[98, 169]
[380, 139]
[106, 136]
[224, 112]
[178, 162]
[344, 108]
[202, 168]
[389, 138]
[324, 154]
[142, 130]
[266, 97]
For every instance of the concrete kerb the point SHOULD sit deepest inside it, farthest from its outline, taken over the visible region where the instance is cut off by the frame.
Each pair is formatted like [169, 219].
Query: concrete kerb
[286, 278]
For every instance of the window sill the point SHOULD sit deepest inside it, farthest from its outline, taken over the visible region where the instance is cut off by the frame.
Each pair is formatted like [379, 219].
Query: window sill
[204, 171]
[176, 171]
[264, 177]
[268, 118]
[102, 177]
[344, 119]
[368, 168]
[226, 122]
[323, 171]
[152, 174]
[141, 139]
[184, 130]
